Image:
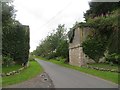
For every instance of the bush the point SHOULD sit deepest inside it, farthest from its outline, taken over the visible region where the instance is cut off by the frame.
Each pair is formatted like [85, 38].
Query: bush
[113, 58]
[51, 56]
[7, 60]
[97, 50]
[61, 59]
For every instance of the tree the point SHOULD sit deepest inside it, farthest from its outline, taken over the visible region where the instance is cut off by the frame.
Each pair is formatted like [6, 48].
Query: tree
[15, 36]
[100, 8]
[7, 27]
[54, 45]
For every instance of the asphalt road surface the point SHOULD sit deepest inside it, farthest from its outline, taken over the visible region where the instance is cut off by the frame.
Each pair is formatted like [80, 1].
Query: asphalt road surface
[68, 78]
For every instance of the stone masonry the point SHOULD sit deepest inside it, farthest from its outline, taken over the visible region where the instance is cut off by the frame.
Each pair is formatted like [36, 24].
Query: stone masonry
[76, 55]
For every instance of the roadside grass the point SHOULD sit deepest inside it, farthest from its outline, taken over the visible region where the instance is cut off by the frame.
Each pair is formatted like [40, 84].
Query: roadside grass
[6, 69]
[0, 81]
[33, 70]
[111, 76]
[104, 65]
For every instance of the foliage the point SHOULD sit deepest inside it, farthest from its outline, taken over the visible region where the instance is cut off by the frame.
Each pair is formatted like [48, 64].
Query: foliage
[105, 24]
[114, 58]
[8, 14]
[62, 49]
[7, 60]
[61, 59]
[100, 8]
[15, 36]
[94, 48]
[54, 45]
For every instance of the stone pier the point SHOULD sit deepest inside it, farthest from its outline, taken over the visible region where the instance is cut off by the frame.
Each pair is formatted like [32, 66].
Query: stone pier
[76, 55]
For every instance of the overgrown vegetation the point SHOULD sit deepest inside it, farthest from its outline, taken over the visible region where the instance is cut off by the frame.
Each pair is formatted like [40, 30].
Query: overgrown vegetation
[55, 45]
[7, 60]
[15, 37]
[106, 35]
[97, 50]
[100, 8]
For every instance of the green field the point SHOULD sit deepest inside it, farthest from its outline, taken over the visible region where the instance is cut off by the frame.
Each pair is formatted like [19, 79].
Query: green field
[111, 76]
[33, 70]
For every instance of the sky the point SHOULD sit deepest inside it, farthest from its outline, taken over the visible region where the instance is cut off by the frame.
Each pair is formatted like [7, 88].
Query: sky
[43, 16]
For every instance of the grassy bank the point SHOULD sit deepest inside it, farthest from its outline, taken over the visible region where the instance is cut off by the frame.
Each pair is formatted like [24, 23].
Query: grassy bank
[111, 76]
[28, 73]
[6, 69]
[105, 66]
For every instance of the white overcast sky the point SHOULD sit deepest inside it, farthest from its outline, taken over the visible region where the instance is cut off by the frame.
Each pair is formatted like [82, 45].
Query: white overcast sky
[43, 16]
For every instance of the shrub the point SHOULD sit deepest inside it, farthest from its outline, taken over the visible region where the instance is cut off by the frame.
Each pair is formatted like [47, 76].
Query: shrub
[61, 59]
[97, 50]
[7, 60]
[51, 56]
[113, 58]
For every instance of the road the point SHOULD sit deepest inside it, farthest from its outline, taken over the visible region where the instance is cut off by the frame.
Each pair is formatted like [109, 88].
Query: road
[36, 82]
[68, 78]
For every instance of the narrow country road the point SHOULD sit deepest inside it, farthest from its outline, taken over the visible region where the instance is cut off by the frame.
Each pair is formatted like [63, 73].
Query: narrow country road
[67, 78]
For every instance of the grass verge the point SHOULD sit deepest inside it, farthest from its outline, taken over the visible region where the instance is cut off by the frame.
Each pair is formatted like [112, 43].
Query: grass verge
[111, 76]
[33, 70]
[106, 66]
[10, 68]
